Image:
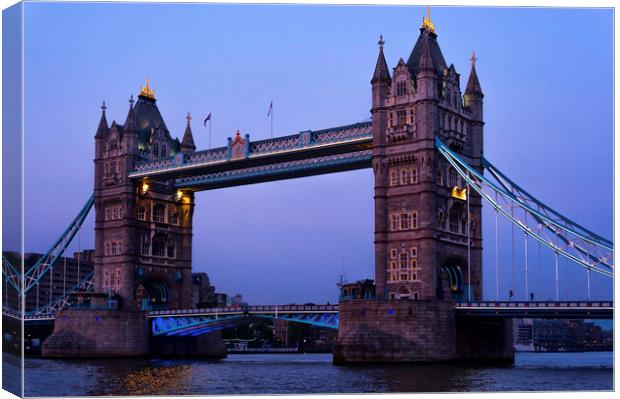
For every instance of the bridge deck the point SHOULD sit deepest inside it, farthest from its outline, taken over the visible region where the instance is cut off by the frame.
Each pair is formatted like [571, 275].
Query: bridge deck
[307, 153]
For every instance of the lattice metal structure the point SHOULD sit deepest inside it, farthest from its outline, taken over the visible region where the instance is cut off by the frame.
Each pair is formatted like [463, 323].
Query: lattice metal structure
[86, 285]
[298, 146]
[534, 218]
[200, 321]
[47, 261]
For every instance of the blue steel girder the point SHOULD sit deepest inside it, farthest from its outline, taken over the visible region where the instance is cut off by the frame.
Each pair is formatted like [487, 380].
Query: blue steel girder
[176, 325]
[304, 146]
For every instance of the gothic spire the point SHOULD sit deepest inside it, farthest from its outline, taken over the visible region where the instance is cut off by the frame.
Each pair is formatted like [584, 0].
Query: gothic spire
[473, 85]
[187, 145]
[426, 58]
[130, 122]
[102, 129]
[382, 72]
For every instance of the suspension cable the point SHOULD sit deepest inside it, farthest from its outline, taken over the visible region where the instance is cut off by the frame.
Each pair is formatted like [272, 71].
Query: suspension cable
[527, 293]
[496, 253]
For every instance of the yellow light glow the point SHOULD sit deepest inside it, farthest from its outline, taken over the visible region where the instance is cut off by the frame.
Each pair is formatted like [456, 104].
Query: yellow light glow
[145, 187]
[459, 193]
[179, 195]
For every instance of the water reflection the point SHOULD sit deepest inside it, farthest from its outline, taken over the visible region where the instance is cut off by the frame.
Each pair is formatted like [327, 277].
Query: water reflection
[298, 373]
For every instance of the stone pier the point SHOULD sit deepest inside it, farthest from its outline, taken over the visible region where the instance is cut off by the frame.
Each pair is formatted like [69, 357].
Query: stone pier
[418, 331]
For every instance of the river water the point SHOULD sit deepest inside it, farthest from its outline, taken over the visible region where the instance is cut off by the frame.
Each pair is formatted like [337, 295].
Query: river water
[304, 373]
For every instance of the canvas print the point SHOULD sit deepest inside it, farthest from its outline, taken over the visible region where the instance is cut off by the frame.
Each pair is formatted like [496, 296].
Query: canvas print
[225, 199]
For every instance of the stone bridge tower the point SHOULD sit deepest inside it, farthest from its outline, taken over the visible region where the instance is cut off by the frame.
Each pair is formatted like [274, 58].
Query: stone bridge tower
[424, 219]
[421, 204]
[143, 229]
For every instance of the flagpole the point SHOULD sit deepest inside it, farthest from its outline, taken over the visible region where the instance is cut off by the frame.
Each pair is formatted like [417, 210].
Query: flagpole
[210, 126]
[272, 119]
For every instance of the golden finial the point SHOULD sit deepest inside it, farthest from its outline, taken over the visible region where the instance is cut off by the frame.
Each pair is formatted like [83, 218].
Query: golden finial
[146, 91]
[426, 22]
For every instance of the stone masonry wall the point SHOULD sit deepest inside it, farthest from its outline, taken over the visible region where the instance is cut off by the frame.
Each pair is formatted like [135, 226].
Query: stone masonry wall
[396, 331]
[98, 333]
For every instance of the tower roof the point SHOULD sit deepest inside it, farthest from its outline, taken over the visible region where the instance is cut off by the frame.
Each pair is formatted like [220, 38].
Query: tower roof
[188, 139]
[102, 129]
[382, 72]
[473, 84]
[437, 60]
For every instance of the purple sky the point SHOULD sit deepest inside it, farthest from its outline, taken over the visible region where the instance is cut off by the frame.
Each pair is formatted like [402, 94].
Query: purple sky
[546, 74]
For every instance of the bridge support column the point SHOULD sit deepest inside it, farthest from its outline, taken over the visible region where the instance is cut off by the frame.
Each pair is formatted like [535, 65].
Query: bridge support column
[485, 340]
[208, 345]
[98, 333]
[389, 331]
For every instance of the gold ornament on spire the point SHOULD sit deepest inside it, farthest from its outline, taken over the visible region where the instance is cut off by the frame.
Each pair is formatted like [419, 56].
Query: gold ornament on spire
[146, 91]
[426, 21]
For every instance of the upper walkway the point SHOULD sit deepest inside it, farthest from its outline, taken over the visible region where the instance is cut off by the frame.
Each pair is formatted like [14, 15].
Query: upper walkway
[244, 162]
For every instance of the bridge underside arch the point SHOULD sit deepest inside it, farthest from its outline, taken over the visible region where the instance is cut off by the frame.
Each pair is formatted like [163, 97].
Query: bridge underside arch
[194, 326]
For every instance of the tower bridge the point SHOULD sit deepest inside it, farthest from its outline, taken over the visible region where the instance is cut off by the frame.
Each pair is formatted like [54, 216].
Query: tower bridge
[425, 147]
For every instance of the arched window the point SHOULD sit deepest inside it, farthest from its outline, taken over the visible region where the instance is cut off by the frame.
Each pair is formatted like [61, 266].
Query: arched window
[156, 149]
[163, 151]
[454, 179]
[404, 293]
[158, 213]
[454, 222]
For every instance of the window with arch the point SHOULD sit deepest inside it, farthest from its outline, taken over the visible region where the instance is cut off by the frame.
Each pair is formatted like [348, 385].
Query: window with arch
[142, 212]
[156, 149]
[413, 175]
[401, 88]
[159, 211]
[145, 248]
[404, 176]
[454, 222]
[393, 177]
[163, 150]
[159, 248]
[454, 177]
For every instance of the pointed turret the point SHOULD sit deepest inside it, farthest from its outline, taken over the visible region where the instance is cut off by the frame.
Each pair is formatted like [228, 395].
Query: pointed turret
[426, 58]
[381, 80]
[130, 122]
[102, 130]
[382, 72]
[187, 145]
[473, 85]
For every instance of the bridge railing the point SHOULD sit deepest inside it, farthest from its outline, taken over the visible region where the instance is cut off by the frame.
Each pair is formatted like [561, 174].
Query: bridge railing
[538, 304]
[276, 145]
[246, 309]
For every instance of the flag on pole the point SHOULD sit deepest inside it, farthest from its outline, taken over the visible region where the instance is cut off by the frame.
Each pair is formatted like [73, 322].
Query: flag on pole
[208, 118]
[270, 108]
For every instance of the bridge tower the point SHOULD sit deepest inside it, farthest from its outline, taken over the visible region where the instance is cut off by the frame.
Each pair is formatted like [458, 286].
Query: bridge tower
[428, 238]
[143, 229]
[421, 204]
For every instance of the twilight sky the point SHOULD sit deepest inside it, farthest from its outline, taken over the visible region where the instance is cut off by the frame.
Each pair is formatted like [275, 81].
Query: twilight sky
[546, 75]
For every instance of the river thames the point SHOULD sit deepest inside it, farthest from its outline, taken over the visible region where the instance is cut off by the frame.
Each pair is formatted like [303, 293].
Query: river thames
[305, 373]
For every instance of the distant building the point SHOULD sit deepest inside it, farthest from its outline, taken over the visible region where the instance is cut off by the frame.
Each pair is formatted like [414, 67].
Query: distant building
[362, 289]
[221, 300]
[523, 335]
[237, 300]
[203, 293]
[569, 335]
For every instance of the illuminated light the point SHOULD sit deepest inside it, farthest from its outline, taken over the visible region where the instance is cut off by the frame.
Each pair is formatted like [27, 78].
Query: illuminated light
[459, 193]
[144, 187]
[146, 91]
[179, 195]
